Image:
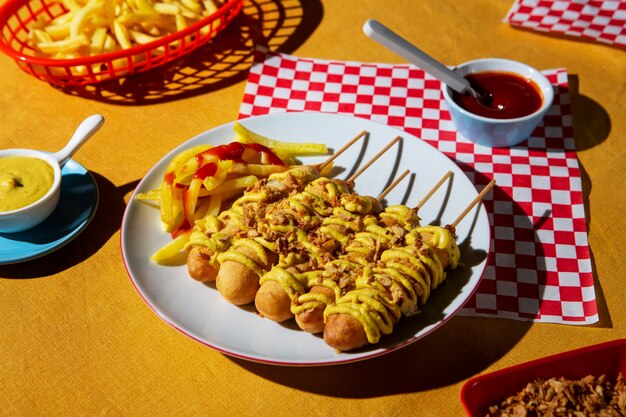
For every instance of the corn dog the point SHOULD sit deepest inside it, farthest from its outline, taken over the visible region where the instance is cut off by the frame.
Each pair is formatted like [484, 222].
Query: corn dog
[397, 285]
[213, 234]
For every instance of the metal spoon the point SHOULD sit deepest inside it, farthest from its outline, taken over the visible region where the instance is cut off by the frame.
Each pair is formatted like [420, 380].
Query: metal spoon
[394, 42]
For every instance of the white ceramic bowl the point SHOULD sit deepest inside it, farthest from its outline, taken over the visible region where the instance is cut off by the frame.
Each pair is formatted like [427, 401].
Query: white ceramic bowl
[33, 214]
[499, 132]
[29, 216]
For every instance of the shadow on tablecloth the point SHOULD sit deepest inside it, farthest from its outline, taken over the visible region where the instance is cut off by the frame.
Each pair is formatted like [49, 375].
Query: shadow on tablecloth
[460, 349]
[592, 125]
[105, 223]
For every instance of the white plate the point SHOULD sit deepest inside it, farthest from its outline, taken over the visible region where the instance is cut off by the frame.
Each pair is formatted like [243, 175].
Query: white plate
[199, 311]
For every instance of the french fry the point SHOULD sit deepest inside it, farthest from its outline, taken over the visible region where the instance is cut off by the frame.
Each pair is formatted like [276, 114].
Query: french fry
[282, 149]
[258, 170]
[97, 41]
[201, 181]
[77, 28]
[66, 46]
[42, 36]
[121, 34]
[111, 25]
[193, 5]
[71, 5]
[190, 200]
[223, 169]
[150, 195]
[236, 184]
[170, 252]
[140, 37]
[210, 206]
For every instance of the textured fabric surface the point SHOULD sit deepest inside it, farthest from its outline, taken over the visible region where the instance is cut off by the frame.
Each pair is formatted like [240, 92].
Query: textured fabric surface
[77, 340]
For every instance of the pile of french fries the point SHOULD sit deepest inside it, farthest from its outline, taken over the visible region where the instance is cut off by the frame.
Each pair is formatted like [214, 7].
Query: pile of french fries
[93, 27]
[187, 194]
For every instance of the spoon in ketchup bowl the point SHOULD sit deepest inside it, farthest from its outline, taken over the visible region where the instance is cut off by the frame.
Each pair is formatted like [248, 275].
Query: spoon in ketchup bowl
[522, 96]
[394, 42]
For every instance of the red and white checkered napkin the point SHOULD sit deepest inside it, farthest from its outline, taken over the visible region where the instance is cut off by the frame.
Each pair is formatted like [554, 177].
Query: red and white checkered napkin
[600, 20]
[540, 268]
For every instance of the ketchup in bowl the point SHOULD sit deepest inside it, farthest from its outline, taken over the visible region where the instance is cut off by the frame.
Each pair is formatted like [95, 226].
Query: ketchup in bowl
[512, 96]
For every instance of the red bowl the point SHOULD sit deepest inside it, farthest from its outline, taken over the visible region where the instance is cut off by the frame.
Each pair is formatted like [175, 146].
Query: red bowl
[483, 391]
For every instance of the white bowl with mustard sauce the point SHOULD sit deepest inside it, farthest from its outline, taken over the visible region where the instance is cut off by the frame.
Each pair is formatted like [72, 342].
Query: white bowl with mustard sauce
[30, 180]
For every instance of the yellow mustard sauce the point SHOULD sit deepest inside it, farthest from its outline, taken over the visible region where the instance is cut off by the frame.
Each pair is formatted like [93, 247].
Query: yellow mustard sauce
[400, 288]
[369, 306]
[297, 177]
[402, 215]
[375, 235]
[399, 264]
[303, 211]
[311, 249]
[308, 300]
[232, 254]
[376, 294]
[356, 204]
[249, 198]
[396, 276]
[216, 232]
[431, 261]
[293, 284]
[366, 243]
[412, 270]
[317, 203]
[441, 238]
[23, 181]
[302, 175]
[333, 233]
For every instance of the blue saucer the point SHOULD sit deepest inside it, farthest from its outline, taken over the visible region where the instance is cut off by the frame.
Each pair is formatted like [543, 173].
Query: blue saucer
[77, 206]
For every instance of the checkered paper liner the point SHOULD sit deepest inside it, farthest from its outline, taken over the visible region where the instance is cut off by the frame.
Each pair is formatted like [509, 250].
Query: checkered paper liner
[600, 20]
[539, 268]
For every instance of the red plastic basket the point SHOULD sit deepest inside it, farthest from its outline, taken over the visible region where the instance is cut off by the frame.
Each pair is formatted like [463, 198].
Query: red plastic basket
[17, 15]
[480, 392]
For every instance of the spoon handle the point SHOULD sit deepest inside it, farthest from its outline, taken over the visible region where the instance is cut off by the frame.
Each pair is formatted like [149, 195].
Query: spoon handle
[391, 40]
[85, 130]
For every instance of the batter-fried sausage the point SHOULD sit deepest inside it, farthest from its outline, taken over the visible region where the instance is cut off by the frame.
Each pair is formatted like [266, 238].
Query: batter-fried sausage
[311, 320]
[200, 264]
[240, 269]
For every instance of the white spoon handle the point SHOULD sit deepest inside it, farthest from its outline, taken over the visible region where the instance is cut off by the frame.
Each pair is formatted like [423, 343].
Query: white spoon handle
[85, 130]
[391, 40]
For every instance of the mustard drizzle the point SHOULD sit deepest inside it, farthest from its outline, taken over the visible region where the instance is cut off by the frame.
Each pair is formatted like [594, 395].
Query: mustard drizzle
[413, 272]
[402, 267]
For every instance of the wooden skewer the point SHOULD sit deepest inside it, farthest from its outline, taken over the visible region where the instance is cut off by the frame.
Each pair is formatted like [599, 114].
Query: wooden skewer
[392, 185]
[351, 142]
[432, 191]
[473, 203]
[371, 161]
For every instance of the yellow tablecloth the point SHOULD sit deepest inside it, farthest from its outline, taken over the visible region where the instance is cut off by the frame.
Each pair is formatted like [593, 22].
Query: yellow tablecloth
[75, 337]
